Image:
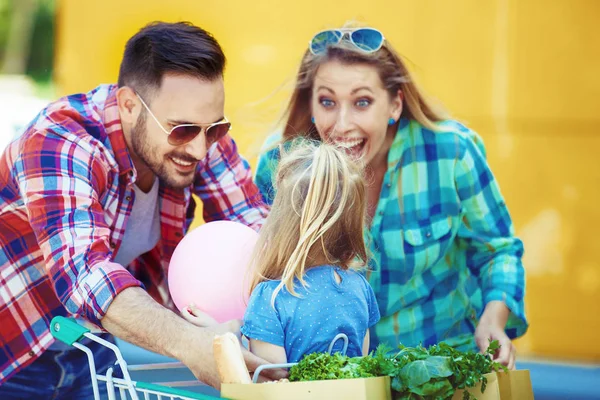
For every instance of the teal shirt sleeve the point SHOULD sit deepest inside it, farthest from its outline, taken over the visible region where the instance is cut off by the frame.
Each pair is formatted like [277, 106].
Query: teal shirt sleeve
[493, 252]
[267, 167]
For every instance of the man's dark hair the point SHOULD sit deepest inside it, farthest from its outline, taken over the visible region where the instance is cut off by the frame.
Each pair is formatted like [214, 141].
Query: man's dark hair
[162, 47]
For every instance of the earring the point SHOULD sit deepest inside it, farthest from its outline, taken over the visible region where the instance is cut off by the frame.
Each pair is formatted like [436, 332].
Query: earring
[391, 121]
[312, 119]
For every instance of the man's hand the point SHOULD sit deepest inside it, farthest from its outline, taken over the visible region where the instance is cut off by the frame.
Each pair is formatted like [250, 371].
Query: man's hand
[491, 327]
[253, 362]
[206, 370]
[195, 316]
[135, 317]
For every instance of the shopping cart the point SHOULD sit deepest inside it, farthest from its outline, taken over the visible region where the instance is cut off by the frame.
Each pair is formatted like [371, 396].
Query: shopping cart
[70, 332]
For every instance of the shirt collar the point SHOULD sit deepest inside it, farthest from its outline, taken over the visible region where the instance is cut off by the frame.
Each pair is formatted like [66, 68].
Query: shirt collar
[112, 123]
[397, 147]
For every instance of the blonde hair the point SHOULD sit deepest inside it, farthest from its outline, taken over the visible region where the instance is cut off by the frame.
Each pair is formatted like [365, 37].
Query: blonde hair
[393, 73]
[318, 214]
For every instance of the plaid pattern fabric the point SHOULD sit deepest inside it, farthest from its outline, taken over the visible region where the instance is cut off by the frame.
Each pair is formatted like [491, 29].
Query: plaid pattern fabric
[66, 191]
[442, 240]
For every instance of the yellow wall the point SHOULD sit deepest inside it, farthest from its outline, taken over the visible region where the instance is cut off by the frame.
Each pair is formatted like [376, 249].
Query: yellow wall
[522, 73]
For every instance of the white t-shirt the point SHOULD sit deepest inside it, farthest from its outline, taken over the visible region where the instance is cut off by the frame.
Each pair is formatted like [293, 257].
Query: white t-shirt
[143, 226]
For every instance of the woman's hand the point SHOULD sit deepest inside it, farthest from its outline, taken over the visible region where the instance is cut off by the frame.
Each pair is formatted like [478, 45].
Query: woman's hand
[491, 327]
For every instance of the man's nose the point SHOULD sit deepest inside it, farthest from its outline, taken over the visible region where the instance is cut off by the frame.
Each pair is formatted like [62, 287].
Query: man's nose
[197, 147]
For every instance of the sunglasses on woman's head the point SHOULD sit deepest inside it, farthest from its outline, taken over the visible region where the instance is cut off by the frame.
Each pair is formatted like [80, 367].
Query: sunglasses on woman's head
[367, 40]
[184, 133]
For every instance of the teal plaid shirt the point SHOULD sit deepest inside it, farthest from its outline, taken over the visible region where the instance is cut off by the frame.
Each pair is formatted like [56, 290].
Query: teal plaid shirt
[442, 239]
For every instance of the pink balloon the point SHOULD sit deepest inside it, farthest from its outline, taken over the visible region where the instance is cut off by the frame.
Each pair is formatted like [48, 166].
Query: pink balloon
[210, 269]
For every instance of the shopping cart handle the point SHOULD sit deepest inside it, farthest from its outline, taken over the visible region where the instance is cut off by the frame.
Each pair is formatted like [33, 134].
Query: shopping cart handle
[261, 368]
[67, 330]
[289, 365]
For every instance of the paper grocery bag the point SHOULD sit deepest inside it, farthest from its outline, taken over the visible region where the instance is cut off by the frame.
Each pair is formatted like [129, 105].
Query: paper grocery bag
[512, 385]
[515, 385]
[492, 390]
[347, 389]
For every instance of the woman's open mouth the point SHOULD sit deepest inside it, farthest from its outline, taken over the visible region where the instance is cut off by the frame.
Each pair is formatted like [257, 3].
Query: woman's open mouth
[353, 147]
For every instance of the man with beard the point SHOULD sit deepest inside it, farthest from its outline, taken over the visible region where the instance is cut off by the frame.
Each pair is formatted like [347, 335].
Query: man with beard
[95, 196]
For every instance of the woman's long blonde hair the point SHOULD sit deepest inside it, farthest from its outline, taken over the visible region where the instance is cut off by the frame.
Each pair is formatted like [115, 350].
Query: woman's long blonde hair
[318, 214]
[392, 71]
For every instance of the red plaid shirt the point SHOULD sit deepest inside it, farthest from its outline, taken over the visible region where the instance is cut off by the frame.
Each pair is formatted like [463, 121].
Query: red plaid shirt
[66, 187]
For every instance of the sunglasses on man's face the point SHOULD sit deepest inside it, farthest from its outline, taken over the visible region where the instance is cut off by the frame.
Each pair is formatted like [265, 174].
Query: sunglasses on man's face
[184, 133]
[367, 40]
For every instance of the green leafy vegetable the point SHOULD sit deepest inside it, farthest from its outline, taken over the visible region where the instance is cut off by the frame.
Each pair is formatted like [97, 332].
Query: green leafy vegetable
[415, 372]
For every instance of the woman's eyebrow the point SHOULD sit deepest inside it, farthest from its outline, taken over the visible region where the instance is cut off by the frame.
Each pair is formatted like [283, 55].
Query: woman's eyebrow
[321, 87]
[325, 88]
[358, 89]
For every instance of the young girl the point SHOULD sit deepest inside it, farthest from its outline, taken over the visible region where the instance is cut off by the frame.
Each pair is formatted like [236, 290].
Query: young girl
[307, 289]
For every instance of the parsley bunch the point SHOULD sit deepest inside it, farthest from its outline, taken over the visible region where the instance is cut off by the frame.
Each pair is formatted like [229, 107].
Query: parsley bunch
[415, 372]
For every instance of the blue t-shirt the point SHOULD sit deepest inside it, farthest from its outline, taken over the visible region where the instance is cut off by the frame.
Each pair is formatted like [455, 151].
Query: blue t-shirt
[307, 324]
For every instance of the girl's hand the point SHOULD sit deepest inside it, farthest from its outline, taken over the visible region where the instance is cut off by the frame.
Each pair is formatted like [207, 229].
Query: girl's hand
[195, 316]
[491, 327]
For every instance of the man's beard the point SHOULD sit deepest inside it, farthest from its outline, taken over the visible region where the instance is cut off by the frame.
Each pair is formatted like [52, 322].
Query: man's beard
[149, 155]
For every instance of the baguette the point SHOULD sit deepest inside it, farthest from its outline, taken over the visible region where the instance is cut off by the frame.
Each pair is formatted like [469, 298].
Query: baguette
[229, 359]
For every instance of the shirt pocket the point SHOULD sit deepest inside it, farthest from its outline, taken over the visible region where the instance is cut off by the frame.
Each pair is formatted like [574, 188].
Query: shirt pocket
[426, 241]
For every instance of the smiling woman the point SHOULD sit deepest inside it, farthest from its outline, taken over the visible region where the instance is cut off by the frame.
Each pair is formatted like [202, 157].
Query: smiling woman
[446, 265]
[351, 107]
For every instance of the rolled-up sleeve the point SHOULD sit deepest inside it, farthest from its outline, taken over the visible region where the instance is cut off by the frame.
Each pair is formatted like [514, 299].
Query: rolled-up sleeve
[493, 252]
[61, 182]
